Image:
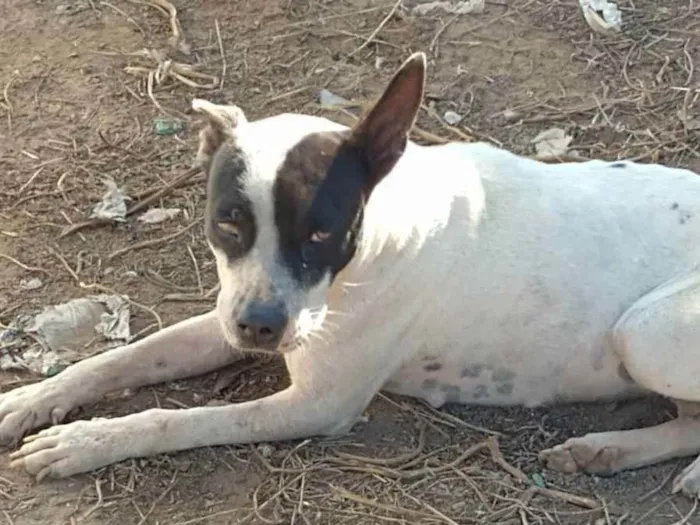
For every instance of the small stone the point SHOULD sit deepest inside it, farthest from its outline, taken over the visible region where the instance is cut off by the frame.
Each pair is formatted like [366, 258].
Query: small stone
[30, 284]
[511, 116]
[184, 466]
[452, 117]
[127, 392]
[266, 450]
[156, 215]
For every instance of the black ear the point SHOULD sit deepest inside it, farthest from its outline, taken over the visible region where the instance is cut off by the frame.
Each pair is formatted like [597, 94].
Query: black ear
[382, 134]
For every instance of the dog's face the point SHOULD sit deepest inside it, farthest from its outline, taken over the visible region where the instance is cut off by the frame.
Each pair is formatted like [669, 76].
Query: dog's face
[285, 203]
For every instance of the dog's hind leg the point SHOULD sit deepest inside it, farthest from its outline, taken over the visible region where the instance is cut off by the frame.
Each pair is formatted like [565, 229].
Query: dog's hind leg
[188, 348]
[658, 341]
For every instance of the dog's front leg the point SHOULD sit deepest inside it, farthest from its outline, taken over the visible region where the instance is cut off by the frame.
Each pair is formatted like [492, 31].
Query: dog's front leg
[188, 348]
[82, 446]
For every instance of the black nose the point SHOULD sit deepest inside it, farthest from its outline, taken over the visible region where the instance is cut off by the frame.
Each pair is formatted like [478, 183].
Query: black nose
[261, 325]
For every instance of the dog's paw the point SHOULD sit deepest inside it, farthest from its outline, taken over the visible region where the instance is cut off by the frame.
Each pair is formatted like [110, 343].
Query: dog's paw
[582, 454]
[688, 481]
[29, 407]
[64, 450]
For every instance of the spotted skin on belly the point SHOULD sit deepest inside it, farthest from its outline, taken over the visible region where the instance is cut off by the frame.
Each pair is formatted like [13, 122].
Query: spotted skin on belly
[438, 383]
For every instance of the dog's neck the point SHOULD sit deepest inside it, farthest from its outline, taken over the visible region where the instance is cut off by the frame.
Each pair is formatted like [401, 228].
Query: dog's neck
[407, 210]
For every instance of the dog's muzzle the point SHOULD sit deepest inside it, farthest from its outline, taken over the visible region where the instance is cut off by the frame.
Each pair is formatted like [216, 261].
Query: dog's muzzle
[262, 325]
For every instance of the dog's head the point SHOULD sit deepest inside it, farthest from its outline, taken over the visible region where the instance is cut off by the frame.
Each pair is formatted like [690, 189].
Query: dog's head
[285, 206]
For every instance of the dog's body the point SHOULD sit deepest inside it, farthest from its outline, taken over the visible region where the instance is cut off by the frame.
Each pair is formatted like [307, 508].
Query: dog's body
[454, 273]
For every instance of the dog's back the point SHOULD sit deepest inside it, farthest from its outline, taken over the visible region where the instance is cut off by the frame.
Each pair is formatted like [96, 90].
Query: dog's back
[503, 258]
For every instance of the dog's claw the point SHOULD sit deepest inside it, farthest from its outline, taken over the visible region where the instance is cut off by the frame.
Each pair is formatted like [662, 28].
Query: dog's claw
[582, 455]
[559, 459]
[65, 450]
[30, 406]
[688, 481]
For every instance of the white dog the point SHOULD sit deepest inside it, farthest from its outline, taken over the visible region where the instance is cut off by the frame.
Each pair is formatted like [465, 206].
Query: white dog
[453, 273]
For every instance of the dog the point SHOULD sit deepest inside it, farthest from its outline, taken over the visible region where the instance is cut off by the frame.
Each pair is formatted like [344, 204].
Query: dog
[458, 273]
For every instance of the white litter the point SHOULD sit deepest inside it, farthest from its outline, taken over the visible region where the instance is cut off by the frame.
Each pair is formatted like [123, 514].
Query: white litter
[455, 8]
[452, 117]
[553, 142]
[156, 215]
[31, 284]
[65, 333]
[602, 16]
[328, 99]
[113, 204]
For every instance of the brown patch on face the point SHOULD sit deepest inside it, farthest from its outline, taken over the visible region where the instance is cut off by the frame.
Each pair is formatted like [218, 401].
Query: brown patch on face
[318, 200]
[300, 175]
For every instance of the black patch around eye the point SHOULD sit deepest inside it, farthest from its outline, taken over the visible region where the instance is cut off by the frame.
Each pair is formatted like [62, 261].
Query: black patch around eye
[224, 195]
[320, 187]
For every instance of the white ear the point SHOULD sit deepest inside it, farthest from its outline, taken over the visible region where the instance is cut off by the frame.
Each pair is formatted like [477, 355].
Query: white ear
[221, 121]
[228, 115]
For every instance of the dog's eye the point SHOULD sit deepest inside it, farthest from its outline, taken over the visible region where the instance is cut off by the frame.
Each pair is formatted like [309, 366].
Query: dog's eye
[319, 236]
[230, 228]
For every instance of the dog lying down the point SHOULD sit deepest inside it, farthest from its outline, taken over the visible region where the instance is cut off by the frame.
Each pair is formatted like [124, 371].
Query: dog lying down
[452, 273]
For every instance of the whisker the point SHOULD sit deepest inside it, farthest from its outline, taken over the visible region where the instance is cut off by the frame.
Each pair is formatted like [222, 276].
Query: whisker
[319, 337]
[338, 313]
[354, 284]
[329, 323]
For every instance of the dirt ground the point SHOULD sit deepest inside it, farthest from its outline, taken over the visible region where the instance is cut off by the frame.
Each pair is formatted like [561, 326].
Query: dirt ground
[77, 105]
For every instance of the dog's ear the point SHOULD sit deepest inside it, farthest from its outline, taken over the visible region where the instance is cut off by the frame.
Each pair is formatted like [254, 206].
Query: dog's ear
[382, 134]
[220, 124]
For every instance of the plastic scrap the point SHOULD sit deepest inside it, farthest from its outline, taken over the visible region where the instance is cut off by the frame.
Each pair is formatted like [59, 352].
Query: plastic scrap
[63, 333]
[602, 16]
[455, 8]
[113, 204]
[168, 126]
[328, 99]
[552, 143]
